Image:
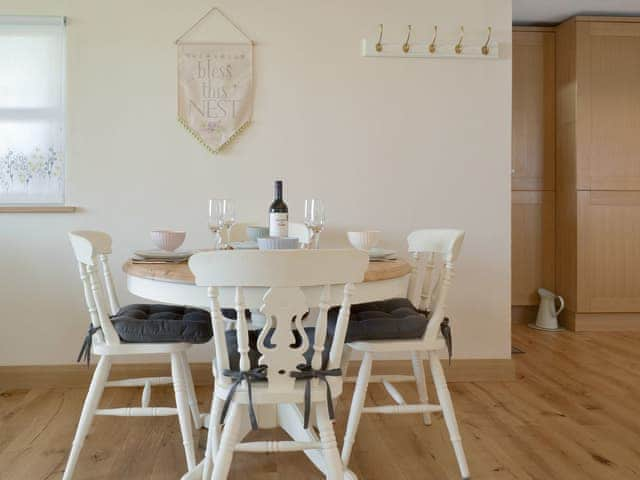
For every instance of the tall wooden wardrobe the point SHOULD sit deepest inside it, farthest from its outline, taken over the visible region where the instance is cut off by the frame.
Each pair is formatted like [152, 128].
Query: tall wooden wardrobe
[576, 170]
[532, 168]
[598, 172]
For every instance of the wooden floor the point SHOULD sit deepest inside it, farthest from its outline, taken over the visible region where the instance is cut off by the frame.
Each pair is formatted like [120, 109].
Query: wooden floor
[572, 413]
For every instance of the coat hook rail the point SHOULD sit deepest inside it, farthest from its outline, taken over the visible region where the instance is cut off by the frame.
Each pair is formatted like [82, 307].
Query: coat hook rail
[464, 43]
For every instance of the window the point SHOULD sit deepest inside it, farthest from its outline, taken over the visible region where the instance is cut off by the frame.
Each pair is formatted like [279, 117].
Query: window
[32, 68]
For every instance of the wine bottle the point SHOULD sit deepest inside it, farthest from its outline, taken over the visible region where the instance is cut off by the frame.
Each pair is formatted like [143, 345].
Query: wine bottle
[278, 214]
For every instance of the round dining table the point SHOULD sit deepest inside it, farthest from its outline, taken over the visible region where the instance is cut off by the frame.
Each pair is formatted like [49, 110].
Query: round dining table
[174, 283]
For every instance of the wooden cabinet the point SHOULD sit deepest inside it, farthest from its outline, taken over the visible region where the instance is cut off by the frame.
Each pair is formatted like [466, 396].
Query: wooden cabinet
[608, 251]
[533, 163]
[532, 245]
[608, 87]
[533, 104]
[598, 172]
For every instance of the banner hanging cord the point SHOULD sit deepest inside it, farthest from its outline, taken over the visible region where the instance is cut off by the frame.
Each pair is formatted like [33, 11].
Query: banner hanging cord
[201, 19]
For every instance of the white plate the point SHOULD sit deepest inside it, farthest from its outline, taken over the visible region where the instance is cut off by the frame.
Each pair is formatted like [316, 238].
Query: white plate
[246, 245]
[381, 253]
[162, 254]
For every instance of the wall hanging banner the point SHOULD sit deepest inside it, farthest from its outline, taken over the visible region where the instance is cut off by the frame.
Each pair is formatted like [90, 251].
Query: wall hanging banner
[215, 88]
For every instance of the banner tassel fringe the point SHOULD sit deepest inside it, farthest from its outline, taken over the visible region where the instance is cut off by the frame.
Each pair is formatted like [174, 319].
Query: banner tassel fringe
[205, 144]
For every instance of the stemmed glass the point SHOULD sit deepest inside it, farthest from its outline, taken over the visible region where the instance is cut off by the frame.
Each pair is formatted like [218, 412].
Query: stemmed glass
[222, 216]
[228, 218]
[314, 219]
[215, 220]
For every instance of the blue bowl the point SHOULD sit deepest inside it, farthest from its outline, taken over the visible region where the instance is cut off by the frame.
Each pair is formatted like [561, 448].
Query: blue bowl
[255, 232]
[278, 243]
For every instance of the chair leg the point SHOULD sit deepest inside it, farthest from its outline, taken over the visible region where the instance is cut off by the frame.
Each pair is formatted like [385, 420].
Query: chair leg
[444, 398]
[182, 404]
[334, 465]
[91, 402]
[191, 392]
[421, 383]
[346, 358]
[213, 436]
[230, 437]
[357, 404]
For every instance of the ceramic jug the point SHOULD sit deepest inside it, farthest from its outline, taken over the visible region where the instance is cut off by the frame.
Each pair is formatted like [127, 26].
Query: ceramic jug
[547, 318]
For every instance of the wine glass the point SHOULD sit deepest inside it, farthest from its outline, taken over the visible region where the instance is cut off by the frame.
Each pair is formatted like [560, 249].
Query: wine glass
[314, 219]
[216, 219]
[228, 218]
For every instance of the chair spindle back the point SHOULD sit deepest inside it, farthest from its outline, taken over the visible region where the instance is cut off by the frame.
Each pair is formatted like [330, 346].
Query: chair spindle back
[283, 273]
[91, 249]
[435, 252]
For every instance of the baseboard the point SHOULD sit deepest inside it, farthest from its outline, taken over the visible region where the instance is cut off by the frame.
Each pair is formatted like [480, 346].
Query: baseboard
[600, 322]
[69, 376]
[523, 313]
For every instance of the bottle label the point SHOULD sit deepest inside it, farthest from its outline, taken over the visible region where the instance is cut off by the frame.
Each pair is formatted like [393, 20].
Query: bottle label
[278, 224]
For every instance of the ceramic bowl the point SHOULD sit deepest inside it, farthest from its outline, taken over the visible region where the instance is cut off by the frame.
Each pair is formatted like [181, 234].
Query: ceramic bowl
[255, 232]
[364, 240]
[278, 243]
[167, 240]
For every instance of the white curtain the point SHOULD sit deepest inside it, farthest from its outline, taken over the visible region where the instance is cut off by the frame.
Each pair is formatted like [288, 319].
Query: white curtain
[32, 69]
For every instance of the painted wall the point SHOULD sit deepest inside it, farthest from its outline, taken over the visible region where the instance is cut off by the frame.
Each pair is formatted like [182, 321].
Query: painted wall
[392, 144]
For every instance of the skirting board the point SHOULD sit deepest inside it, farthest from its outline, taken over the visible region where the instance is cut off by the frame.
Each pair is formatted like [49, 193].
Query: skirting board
[65, 376]
[523, 313]
[600, 322]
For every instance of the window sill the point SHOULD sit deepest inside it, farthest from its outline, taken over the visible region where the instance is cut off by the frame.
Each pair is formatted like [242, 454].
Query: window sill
[37, 209]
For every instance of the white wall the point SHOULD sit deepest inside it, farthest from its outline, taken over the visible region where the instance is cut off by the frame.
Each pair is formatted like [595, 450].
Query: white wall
[392, 144]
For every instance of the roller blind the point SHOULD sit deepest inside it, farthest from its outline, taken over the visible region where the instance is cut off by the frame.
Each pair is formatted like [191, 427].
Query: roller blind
[32, 130]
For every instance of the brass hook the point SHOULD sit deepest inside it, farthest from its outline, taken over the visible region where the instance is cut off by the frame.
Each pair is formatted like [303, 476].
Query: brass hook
[458, 47]
[432, 45]
[485, 47]
[405, 46]
[379, 44]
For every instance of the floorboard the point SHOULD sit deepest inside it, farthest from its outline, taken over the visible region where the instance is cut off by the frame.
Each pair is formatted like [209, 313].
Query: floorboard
[572, 413]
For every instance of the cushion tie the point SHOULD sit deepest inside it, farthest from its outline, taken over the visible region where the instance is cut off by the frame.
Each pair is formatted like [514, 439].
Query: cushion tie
[305, 372]
[445, 329]
[258, 373]
[85, 350]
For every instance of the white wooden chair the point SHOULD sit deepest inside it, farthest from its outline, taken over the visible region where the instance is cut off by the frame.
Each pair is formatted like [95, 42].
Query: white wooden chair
[272, 382]
[91, 249]
[427, 292]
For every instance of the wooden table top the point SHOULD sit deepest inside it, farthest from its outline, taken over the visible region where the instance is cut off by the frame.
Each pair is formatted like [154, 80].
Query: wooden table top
[179, 272]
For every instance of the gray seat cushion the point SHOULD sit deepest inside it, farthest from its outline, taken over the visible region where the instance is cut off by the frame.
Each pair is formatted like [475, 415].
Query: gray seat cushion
[392, 319]
[149, 323]
[254, 354]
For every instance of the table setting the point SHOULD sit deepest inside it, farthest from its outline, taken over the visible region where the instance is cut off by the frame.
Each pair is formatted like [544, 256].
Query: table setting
[280, 234]
[162, 274]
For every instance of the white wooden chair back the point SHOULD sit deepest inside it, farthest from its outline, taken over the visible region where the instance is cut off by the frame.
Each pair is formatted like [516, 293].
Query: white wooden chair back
[435, 252]
[91, 249]
[283, 272]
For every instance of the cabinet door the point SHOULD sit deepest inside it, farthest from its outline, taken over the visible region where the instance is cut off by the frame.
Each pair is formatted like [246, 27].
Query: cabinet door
[532, 245]
[608, 251]
[608, 110]
[533, 130]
